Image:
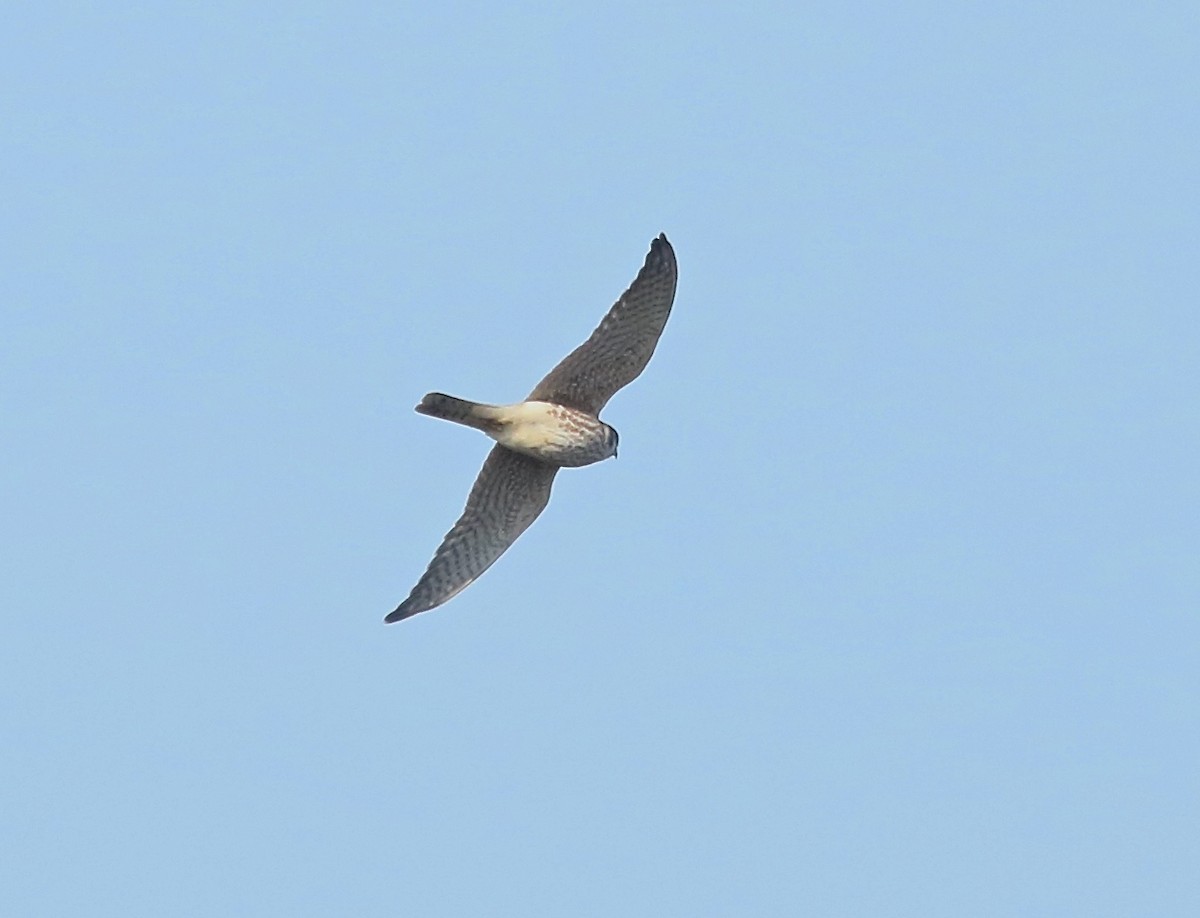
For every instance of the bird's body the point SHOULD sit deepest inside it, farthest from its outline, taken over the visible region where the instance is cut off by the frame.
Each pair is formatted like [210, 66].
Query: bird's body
[557, 426]
[555, 434]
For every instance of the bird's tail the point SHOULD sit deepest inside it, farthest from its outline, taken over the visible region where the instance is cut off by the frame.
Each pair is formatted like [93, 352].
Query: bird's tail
[460, 411]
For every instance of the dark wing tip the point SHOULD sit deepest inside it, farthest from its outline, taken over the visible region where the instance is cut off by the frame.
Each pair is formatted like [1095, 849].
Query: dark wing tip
[661, 255]
[400, 613]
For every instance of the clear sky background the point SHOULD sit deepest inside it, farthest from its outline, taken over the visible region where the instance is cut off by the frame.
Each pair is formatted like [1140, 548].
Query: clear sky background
[891, 604]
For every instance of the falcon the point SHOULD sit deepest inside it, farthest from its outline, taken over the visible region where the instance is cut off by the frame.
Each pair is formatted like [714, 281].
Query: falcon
[557, 426]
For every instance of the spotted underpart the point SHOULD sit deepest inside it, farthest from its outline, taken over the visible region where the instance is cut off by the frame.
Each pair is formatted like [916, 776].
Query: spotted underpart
[561, 436]
[554, 434]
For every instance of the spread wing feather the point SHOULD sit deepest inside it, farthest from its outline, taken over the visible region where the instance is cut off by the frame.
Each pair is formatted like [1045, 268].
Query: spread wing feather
[510, 492]
[621, 346]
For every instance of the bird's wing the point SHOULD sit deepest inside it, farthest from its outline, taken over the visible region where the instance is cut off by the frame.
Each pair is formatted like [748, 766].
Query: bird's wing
[620, 347]
[510, 492]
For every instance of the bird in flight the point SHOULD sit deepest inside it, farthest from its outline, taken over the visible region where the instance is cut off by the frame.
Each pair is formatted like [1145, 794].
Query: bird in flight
[557, 426]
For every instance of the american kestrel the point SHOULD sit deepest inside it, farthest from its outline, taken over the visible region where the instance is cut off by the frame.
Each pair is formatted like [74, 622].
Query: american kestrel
[557, 426]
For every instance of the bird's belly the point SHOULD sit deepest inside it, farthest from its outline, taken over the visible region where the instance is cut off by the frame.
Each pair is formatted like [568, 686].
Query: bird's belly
[554, 434]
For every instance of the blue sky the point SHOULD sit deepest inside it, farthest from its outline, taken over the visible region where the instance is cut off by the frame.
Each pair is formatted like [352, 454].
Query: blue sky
[889, 606]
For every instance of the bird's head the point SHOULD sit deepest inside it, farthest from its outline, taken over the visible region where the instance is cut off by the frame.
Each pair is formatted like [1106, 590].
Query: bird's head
[610, 440]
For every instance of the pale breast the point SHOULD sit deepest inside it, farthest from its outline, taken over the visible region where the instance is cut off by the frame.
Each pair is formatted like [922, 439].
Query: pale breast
[553, 433]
